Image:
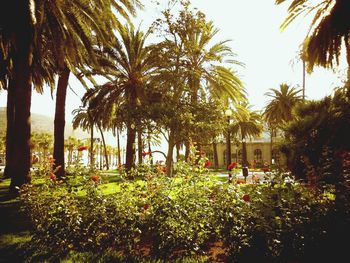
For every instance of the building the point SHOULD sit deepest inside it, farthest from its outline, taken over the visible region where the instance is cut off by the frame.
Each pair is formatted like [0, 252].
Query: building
[258, 153]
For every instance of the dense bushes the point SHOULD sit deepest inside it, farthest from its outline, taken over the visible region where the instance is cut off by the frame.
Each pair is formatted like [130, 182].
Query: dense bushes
[162, 217]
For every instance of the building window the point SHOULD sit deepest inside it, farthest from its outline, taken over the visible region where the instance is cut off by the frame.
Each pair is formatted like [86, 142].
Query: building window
[258, 156]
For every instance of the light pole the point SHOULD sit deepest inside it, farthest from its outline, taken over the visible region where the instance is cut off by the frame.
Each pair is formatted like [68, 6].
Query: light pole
[228, 114]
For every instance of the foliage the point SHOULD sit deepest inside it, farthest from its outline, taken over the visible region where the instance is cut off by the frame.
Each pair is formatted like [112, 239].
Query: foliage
[178, 216]
[328, 29]
[275, 220]
[279, 110]
[318, 136]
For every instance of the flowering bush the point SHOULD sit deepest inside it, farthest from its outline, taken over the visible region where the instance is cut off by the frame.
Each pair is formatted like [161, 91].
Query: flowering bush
[178, 216]
[276, 220]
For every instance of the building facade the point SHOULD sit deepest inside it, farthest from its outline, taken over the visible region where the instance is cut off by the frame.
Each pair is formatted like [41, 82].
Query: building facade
[259, 153]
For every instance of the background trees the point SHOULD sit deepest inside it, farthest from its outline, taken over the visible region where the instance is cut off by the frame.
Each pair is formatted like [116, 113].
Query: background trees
[247, 124]
[317, 137]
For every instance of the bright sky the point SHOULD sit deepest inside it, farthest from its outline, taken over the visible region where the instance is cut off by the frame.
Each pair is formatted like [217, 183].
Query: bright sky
[253, 27]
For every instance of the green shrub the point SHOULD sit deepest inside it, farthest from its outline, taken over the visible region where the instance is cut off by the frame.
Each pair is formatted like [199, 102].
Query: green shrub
[174, 217]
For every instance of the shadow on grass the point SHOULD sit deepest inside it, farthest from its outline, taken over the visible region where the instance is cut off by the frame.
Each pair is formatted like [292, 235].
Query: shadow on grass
[15, 227]
[13, 218]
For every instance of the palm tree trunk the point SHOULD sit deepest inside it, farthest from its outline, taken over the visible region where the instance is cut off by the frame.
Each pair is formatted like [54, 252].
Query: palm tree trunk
[130, 147]
[59, 123]
[22, 60]
[271, 145]
[119, 150]
[150, 151]
[139, 145]
[10, 114]
[244, 153]
[22, 130]
[178, 146]
[169, 157]
[92, 165]
[104, 146]
[215, 153]
[187, 150]
[131, 131]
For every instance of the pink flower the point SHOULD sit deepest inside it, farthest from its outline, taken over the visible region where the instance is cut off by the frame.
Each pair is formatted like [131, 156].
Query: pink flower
[246, 198]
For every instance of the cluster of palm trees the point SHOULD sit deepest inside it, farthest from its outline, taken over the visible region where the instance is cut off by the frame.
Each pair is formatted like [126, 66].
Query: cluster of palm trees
[163, 87]
[42, 41]
[39, 41]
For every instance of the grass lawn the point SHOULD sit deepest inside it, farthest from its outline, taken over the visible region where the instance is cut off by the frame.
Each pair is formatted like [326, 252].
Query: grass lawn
[15, 227]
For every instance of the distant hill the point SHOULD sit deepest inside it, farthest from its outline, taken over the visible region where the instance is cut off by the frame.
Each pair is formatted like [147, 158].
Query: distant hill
[42, 123]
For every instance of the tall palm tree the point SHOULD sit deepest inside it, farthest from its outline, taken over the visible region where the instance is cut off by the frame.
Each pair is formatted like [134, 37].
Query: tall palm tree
[247, 124]
[329, 29]
[58, 29]
[131, 66]
[17, 27]
[279, 109]
[201, 65]
[87, 23]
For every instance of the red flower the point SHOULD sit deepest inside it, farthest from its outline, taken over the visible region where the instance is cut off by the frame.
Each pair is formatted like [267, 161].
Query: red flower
[207, 164]
[231, 166]
[95, 178]
[265, 170]
[246, 198]
[53, 177]
[82, 148]
[146, 206]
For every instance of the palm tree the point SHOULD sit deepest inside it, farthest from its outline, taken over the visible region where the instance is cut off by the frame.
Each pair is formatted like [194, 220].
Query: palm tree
[87, 23]
[279, 109]
[205, 63]
[199, 67]
[53, 31]
[131, 67]
[330, 27]
[17, 27]
[247, 124]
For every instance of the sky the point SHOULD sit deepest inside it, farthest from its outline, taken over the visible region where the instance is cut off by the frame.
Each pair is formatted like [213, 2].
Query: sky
[252, 26]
